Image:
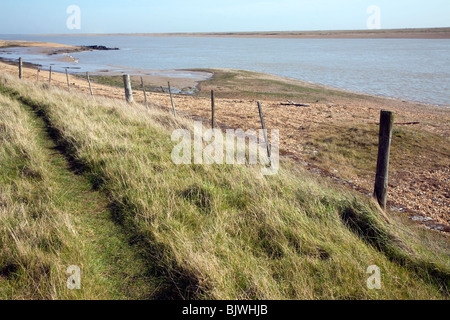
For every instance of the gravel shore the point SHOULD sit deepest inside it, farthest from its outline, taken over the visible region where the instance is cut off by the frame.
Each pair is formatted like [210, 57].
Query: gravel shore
[422, 193]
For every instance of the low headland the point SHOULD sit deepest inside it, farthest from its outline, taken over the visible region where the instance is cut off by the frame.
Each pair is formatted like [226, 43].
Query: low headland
[413, 33]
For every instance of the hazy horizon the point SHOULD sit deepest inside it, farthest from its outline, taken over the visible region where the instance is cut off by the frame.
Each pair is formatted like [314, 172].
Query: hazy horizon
[222, 32]
[199, 16]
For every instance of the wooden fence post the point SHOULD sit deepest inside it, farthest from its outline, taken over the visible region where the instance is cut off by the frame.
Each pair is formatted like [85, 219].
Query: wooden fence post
[213, 106]
[67, 78]
[384, 148]
[264, 130]
[171, 99]
[145, 93]
[89, 81]
[50, 76]
[37, 74]
[128, 90]
[20, 68]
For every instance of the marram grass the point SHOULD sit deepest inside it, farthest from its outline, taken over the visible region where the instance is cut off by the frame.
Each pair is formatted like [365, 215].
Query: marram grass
[220, 231]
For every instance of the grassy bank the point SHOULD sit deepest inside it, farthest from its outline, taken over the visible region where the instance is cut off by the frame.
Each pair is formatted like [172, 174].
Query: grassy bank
[50, 219]
[243, 84]
[224, 232]
[35, 235]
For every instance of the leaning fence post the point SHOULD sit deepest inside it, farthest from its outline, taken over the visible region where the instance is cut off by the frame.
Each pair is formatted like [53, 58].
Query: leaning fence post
[128, 90]
[213, 106]
[145, 93]
[50, 75]
[20, 68]
[264, 130]
[67, 78]
[384, 148]
[171, 99]
[89, 81]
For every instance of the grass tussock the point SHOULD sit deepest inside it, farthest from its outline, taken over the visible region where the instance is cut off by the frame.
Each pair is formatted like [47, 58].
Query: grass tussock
[227, 232]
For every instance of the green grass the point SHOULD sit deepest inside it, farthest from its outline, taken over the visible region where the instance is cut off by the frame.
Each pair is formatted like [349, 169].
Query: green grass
[114, 81]
[227, 232]
[353, 148]
[243, 84]
[117, 81]
[52, 219]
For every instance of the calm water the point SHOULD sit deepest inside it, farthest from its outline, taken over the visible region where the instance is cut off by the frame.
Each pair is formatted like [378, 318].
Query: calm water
[417, 70]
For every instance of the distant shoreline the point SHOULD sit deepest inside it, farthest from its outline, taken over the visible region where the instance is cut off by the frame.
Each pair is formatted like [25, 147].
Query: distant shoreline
[423, 33]
[332, 115]
[61, 53]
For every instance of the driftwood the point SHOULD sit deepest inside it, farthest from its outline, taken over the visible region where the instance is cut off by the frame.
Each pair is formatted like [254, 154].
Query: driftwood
[292, 103]
[407, 123]
[398, 123]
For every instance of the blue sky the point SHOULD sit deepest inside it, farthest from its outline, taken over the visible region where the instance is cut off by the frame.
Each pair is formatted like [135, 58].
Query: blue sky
[113, 16]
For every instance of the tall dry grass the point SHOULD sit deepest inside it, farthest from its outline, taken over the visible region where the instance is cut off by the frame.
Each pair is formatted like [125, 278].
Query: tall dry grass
[227, 232]
[35, 234]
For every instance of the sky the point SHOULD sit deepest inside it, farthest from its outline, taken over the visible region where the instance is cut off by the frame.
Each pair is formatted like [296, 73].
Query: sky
[162, 16]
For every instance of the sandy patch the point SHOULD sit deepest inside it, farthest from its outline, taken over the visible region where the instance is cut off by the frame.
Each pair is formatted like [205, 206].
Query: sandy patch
[5, 43]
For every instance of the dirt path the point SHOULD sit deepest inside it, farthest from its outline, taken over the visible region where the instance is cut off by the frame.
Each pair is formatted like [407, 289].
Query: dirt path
[115, 262]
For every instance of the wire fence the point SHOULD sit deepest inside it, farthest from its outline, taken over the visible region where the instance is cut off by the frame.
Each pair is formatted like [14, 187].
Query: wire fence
[129, 92]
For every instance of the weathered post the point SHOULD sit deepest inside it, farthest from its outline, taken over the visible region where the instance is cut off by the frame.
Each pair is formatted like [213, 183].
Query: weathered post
[50, 75]
[145, 93]
[384, 148]
[264, 129]
[171, 99]
[20, 68]
[213, 106]
[128, 90]
[89, 81]
[37, 74]
[67, 78]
